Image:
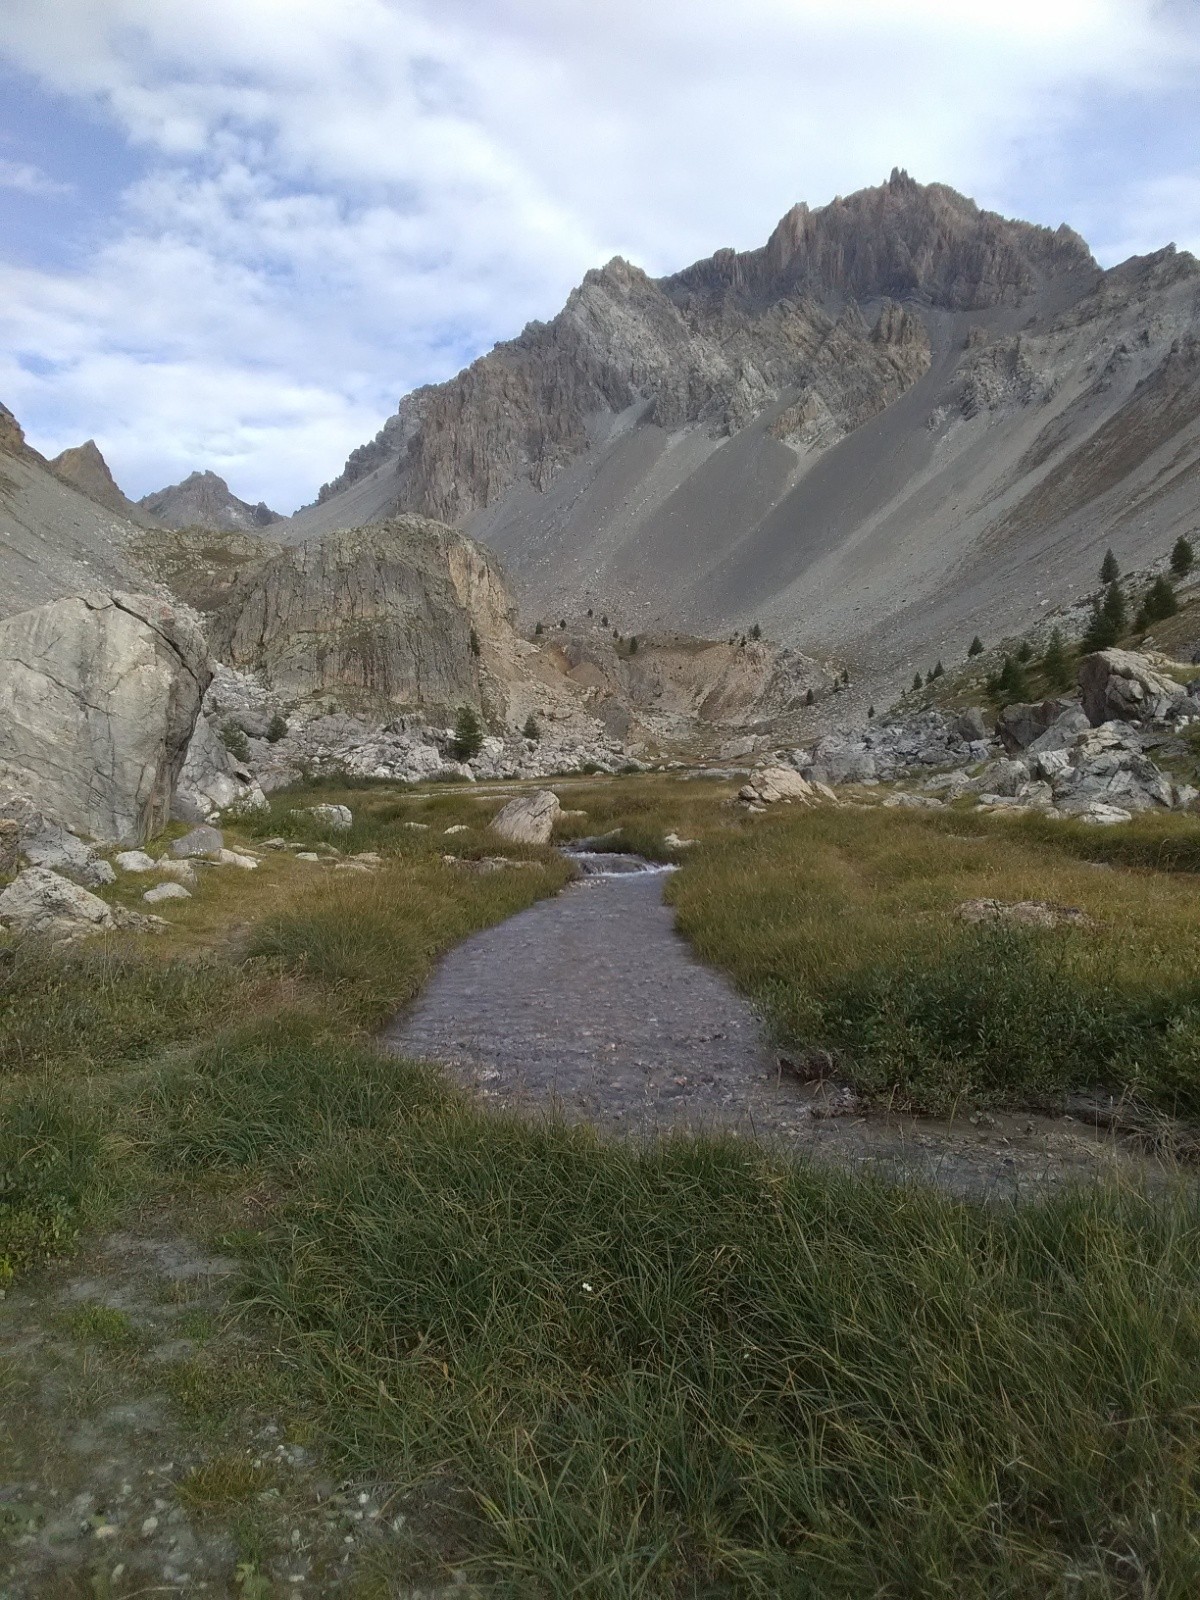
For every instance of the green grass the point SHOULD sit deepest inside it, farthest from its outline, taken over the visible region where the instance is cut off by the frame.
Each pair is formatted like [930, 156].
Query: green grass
[842, 926]
[694, 1370]
[100, 1324]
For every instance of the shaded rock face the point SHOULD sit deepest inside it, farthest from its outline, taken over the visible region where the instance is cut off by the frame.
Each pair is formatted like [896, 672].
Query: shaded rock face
[404, 614]
[203, 500]
[99, 695]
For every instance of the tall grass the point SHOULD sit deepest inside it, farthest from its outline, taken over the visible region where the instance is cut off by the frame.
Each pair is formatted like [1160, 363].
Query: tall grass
[843, 926]
[690, 1370]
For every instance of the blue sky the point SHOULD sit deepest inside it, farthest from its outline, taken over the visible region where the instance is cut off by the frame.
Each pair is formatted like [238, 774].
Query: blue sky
[236, 231]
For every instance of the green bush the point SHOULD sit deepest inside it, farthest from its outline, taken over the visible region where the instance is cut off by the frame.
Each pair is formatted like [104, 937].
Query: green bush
[235, 741]
[1160, 602]
[1109, 570]
[1055, 665]
[975, 648]
[49, 1156]
[1183, 557]
[531, 729]
[277, 728]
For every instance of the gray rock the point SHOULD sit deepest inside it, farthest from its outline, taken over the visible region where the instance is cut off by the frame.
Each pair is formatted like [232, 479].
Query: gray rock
[61, 851]
[1020, 724]
[98, 698]
[201, 841]
[211, 781]
[39, 901]
[1003, 777]
[340, 819]
[1062, 732]
[165, 891]
[135, 861]
[1120, 685]
[529, 819]
[970, 726]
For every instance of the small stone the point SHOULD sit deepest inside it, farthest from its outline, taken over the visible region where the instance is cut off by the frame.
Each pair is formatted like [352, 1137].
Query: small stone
[201, 841]
[149, 1526]
[307, 855]
[232, 858]
[166, 891]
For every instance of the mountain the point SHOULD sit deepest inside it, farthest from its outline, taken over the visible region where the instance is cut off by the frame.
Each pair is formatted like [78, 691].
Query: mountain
[203, 500]
[902, 421]
[85, 469]
[54, 539]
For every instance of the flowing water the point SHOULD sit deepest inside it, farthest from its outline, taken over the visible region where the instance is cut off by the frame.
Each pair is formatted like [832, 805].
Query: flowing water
[592, 1005]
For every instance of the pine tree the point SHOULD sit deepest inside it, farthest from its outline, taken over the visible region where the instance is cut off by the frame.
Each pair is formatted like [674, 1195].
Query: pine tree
[277, 728]
[1010, 684]
[1101, 634]
[604, 622]
[1109, 570]
[474, 642]
[468, 734]
[531, 729]
[870, 712]
[1025, 652]
[976, 646]
[809, 698]
[939, 671]
[1160, 600]
[1183, 557]
[918, 681]
[539, 629]
[1055, 664]
[1114, 607]
[846, 676]
[756, 632]
[633, 644]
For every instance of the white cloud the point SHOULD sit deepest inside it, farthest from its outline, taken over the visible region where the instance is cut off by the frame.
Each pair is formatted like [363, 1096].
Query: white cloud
[24, 178]
[340, 201]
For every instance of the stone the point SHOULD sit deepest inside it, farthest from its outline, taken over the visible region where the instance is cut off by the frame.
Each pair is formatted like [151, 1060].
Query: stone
[674, 842]
[212, 781]
[970, 726]
[339, 819]
[200, 842]
[1185, 797]
[774, 785]
[166, 891]
[1062, 732]
[1121, 685]
[529, 819]
[1025, 913]
[99, 695]
[39, 901]
[135, 861]
[307, 855]
[62, 852]
[10, 846]
[233, 858]
[1003, 777]
[1018, 725]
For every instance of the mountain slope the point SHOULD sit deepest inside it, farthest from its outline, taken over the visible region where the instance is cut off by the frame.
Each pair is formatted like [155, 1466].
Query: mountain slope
[901, 421]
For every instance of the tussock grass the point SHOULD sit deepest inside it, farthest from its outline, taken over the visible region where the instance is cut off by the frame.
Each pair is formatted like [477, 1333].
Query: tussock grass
[692, 1370]
[841, 925]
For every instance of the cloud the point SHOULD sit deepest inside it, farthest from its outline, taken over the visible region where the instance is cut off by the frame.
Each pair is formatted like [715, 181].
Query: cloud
[25, 178]
[332, 204]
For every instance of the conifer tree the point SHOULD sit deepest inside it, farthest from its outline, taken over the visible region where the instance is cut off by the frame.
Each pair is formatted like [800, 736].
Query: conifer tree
[1109, 570]
[468, 734]
[976, 646]
[1183, 557]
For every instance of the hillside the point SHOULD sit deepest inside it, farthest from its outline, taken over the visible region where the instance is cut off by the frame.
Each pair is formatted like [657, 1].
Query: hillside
[204, 500]
[901, 421]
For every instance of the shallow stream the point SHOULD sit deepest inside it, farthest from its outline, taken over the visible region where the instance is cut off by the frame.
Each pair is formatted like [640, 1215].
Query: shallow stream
[591, 1004]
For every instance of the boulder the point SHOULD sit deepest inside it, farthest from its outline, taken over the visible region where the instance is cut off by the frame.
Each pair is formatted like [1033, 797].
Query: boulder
[840, 760]
[202, 841]
[772, 785]
[529, 819]
[1062, 732]
[99, 695]
[1120, 685]
[165, 891]
[212, 781]
[44, 903]
[340, 819]
[61, 851]
[1024, 913]
[1003, 777]
[1020, 724]
[970, 726]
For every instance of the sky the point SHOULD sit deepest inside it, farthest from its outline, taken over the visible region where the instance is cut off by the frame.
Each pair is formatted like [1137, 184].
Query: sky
[234, 232]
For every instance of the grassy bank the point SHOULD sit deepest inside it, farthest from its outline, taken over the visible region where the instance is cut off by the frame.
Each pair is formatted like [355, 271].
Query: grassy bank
[628, 1373]
[842, 925]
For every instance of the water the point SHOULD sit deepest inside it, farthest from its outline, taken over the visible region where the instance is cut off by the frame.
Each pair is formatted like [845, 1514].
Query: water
[591, 1004]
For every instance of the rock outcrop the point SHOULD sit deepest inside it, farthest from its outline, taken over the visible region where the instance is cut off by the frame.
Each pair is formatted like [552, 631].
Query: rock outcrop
[85, 469]
[529, 819]
[405, 615]
[1124, 686]
[99, 695]
[203, 500]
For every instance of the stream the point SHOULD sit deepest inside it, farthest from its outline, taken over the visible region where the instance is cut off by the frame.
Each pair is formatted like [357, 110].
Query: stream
[591, 1005]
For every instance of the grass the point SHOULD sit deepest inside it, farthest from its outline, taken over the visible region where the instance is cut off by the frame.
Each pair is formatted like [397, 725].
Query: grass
[841, 925]
[100, 1324]
[684, 1369]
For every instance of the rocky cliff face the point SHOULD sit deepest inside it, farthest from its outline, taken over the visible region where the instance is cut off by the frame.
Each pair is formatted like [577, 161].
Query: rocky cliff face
[717, 345]
[203, 500]
[404, 615]
[85, 469]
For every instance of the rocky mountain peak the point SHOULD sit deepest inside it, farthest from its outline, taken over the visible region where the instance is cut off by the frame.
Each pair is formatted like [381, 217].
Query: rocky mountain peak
[85, 469]
[204, 500]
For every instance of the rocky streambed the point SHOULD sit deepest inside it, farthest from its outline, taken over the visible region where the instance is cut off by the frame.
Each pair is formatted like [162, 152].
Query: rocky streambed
[592, 1006]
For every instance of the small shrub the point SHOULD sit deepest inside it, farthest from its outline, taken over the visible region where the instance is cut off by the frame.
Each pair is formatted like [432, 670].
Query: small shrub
[756, 632]
[474, 643]
[531, 729]
[235, 741]
[1024, 652]
[633, 644]
[277, 728]
[975, 648]
[539, 629]
[918, 682]
[1010, 684]
[1055, 664]
[809, 697]
[939, 671]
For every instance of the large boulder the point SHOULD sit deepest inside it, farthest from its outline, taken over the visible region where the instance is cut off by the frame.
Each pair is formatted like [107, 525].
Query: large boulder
[1120, 685]
[1020, 724]
[529, 819]
[61, 851]
[41, 902]
[99, 695]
